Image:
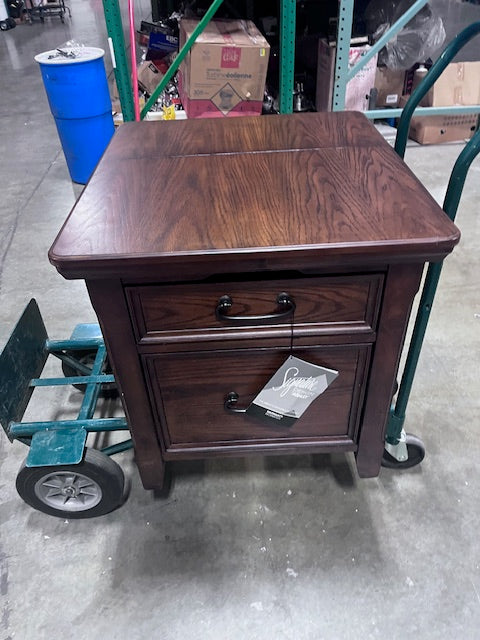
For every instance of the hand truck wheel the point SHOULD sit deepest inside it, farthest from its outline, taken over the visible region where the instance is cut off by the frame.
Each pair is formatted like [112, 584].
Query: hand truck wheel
[91, 488]
[415, 450]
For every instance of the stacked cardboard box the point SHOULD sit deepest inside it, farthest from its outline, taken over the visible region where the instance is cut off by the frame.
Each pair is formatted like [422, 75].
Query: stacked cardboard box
[390, 86]
[459, 84]
[358, 88]
[224, 72]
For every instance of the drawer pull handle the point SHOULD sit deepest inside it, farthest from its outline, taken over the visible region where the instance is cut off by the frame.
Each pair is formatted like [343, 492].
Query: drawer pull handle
[230, 402]
[284, 301]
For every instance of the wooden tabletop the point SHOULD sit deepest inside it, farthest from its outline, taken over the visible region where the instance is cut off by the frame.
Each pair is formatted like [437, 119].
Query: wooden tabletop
[319, 187]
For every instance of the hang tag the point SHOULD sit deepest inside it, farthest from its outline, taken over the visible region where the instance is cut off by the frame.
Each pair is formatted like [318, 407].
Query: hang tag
[290, 391]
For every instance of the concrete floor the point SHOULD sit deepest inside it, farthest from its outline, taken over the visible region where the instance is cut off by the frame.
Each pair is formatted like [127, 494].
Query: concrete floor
[278, 548]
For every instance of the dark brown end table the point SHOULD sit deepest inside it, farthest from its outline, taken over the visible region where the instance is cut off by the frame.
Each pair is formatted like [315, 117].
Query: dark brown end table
[179, 214]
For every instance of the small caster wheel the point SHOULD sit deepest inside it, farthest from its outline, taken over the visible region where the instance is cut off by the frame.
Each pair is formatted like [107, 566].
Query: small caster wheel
[415, 450]
[87, 358]
[91, 488]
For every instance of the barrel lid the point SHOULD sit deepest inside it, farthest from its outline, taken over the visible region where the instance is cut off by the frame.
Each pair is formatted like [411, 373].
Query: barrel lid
[69, 55]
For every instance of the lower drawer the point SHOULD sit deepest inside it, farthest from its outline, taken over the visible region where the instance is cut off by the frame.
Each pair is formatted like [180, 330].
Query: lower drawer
[189, 390]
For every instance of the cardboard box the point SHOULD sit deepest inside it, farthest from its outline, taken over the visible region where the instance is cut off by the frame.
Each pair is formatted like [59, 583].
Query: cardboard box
[357, 93]
[158, 38]
[438, 129]
[390, 86]
[459, 84]
[160, 46]
[225, 70]
[149, 76]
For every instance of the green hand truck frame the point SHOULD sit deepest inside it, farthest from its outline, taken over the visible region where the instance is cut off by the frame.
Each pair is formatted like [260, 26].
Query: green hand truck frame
[404, 450]
[61, 476]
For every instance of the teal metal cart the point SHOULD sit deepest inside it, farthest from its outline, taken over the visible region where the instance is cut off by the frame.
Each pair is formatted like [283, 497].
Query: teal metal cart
[61, 476]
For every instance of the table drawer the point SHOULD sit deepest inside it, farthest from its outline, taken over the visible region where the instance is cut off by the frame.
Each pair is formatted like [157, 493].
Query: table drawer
[188, 312]
[189, 391]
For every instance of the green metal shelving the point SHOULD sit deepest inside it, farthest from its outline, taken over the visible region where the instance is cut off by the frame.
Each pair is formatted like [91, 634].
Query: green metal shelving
[181, 55]
[343, 74]
[122, 74]
[288, 15]
[287, 59]
[113, 20]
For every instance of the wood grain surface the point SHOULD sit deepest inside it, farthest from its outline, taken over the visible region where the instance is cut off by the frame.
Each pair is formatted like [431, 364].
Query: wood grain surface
[190, 389]
[242, 135]
[326, 186]
[187, 312]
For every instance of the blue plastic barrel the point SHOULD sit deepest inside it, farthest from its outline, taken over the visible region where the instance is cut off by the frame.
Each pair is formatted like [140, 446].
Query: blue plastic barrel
[77, 91]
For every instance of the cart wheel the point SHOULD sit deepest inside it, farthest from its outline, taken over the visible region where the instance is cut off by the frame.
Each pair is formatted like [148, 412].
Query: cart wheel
[87, 358]
[91, 488]
[416, 453]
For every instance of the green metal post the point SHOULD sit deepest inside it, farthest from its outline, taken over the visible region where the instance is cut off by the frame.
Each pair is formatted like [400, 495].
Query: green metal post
[95, 425]
[288, 15]
[344, 35]
[113, 20]
[181, 55]
[450, 206]
[459, 174]
[117, 448]
[93, 390]
[387, 36]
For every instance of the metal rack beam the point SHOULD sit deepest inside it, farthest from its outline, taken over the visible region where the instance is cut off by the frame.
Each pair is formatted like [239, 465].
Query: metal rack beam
[343, 75]
[113, 20]
[122, 74]
[288, 15]
[424, 111]
[345, 20]
[181, 55]
[388, 35]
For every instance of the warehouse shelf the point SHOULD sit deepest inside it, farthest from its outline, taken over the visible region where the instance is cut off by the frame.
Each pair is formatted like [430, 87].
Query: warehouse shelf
[287, 59]
[343, 74]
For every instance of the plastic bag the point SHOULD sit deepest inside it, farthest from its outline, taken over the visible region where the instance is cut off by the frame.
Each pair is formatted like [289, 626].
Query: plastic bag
[419, 39]
[69, 49]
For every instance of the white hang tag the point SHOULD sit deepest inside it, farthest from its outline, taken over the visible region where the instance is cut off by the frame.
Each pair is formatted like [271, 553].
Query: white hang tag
[290, 391]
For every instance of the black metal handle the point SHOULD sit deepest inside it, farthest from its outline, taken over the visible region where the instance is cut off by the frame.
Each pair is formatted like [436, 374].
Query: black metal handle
[230, 402]
[283, 300]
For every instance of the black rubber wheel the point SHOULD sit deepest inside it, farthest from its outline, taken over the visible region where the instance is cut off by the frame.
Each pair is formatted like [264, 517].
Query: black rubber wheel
[416, 453]
[87, 358]
[91, 488]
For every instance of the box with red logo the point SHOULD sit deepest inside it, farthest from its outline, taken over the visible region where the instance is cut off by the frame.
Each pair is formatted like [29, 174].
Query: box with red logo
[225, 70]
